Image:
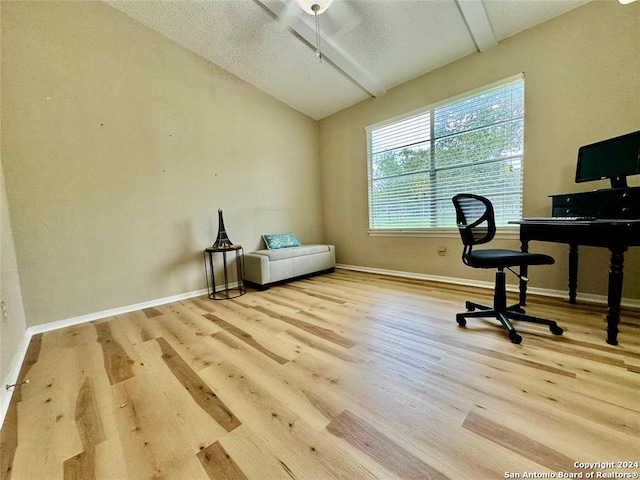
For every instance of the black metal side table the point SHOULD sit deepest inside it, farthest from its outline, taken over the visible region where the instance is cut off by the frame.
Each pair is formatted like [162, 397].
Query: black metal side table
[233, 286]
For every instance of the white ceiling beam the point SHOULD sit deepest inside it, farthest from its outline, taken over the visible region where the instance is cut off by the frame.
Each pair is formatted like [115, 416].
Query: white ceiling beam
[330, 51]
[475, 17]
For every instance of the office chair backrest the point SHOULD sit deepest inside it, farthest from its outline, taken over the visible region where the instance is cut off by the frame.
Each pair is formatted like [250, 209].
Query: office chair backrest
[475, 219]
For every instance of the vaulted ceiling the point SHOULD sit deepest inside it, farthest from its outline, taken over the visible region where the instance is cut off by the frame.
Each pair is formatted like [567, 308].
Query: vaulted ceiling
[368, 46]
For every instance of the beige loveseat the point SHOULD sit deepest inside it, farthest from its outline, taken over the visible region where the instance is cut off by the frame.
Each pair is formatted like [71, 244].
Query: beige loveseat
[264, 268]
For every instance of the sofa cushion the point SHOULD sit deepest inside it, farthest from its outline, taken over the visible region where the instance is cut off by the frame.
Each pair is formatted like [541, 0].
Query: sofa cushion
[291, 252]
[275, 241]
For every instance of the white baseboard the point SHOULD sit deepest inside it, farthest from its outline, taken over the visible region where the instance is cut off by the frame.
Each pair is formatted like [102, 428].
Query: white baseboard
[48, 327]
[585, 297]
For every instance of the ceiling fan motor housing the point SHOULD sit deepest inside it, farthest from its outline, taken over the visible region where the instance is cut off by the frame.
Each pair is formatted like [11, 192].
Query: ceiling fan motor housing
[314, 7]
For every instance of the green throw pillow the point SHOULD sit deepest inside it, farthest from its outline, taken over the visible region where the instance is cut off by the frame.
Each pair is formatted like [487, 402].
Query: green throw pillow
[280, 240]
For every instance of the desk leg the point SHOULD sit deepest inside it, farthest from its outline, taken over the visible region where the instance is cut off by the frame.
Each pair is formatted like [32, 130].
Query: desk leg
[573, 272]
[614, 294]
[524, 270]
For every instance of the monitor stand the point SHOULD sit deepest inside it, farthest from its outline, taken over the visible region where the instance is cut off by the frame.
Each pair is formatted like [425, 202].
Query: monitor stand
[619, 182]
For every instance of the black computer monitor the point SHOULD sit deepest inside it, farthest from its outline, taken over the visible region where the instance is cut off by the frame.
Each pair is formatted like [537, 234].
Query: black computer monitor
[614, 158]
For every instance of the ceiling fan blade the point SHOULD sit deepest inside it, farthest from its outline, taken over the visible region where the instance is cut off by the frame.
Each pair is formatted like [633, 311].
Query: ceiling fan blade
[290, 13]
[340, 18]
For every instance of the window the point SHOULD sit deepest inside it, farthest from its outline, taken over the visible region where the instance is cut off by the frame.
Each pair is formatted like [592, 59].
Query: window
[472, 144]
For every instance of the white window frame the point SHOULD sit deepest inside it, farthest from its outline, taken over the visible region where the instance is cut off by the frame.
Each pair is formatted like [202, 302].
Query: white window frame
[504, 231]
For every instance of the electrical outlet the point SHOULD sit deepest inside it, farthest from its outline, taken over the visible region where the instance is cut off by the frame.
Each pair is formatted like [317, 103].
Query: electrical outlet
[3, 306]
[442, 250]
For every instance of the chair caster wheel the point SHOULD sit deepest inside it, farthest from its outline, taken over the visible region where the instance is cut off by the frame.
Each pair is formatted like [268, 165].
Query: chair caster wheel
[514, 337]
[556, 330]
[461, 320]
[469, 306]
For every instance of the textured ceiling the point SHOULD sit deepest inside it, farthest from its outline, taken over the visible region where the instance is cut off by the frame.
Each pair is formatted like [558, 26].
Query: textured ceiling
[377, 44]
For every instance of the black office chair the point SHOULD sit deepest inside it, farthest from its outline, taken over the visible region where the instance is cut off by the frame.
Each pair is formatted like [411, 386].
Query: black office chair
[476, 223]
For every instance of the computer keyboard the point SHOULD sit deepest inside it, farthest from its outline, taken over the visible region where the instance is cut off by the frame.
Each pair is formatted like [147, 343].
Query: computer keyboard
[560, 219]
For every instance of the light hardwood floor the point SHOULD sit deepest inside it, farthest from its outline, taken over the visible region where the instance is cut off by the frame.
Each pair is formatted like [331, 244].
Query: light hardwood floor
[346, 375]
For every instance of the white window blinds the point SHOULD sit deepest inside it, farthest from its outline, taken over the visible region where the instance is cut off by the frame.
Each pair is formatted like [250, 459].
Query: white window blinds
[470, 144]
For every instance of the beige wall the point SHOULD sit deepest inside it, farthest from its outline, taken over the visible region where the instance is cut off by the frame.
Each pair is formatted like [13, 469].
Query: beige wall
[13, 335]
[119, 146]
[582, 85]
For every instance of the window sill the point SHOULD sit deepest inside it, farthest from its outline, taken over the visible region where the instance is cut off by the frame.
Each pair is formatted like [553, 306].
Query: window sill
[507, 233]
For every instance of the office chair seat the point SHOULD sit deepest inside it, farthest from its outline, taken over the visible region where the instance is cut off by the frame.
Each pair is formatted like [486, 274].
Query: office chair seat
[497, 258]
[476, 224]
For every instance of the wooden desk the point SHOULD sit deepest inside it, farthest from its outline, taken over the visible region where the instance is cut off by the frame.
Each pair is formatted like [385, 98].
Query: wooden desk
[616, 235]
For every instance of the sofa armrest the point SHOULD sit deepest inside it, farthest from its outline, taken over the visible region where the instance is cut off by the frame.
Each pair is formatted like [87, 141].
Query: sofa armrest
[256, 269]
